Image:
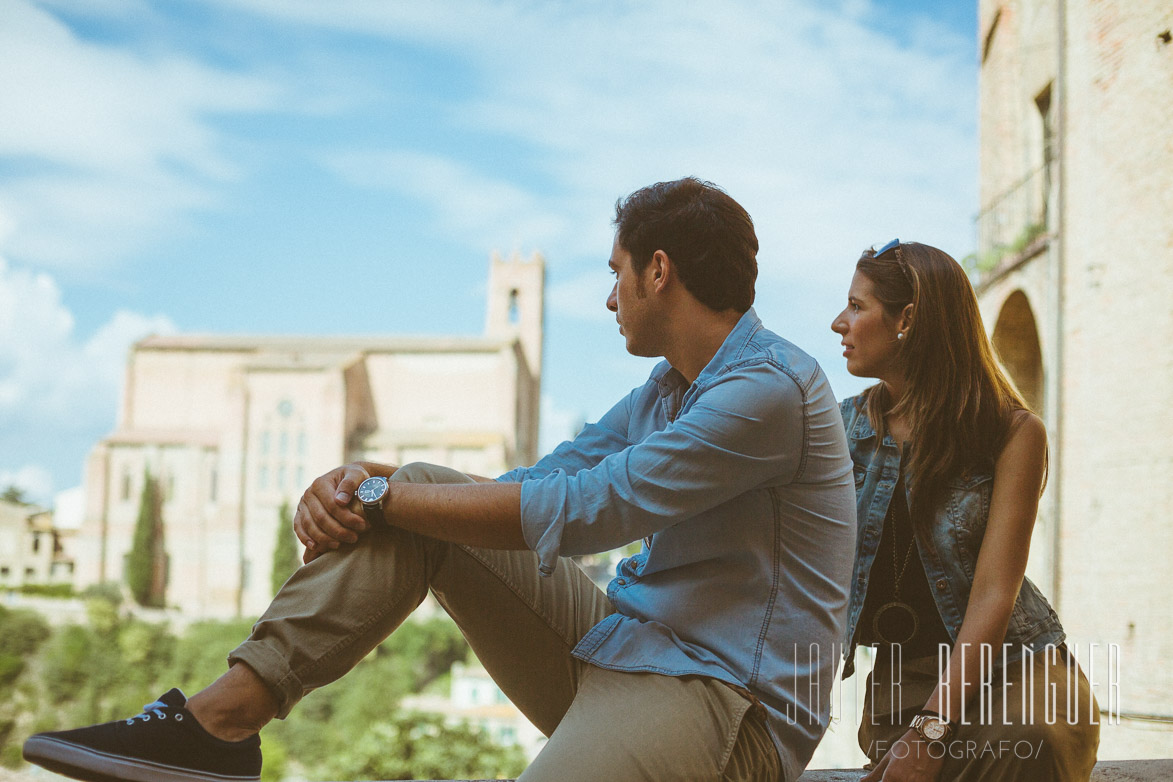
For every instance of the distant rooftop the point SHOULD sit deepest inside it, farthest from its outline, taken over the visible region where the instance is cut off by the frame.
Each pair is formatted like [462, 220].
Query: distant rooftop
[323, 344]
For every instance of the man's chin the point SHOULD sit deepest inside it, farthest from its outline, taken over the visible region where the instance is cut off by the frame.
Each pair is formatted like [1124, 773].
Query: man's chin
[641, 352]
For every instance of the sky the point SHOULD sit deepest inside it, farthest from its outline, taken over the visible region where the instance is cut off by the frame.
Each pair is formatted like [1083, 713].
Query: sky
[348, 167]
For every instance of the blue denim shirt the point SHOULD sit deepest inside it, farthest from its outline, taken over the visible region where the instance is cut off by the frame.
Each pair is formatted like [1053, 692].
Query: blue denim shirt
[740, 485]
[948, 545]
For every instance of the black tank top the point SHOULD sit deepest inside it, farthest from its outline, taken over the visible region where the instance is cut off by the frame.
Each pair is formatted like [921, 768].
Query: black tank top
[918, 628]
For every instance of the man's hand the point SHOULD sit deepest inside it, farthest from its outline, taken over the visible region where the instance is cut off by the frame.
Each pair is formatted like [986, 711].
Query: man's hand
[325, 518]
[908, 760]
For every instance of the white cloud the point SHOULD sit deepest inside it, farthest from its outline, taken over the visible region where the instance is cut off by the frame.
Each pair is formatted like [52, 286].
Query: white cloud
[833, 134]
[32, 479]
[114, 147]
[69, 508]
[56, 387]
[48, 372]
[483, 211]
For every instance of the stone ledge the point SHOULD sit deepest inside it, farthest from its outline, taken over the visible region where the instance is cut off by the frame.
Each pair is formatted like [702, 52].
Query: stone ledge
[1105, 771]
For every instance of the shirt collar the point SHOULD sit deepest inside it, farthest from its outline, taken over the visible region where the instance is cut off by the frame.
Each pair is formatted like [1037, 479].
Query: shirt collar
[733, 346]
[862, 429]
[669, 379]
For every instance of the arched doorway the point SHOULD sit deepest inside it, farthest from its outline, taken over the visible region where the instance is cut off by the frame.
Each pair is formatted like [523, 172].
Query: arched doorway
[1016, 339]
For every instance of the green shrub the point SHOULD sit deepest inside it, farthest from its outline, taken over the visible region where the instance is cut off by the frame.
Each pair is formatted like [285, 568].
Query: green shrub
[47, 590]
[21, 633]
[286, 557]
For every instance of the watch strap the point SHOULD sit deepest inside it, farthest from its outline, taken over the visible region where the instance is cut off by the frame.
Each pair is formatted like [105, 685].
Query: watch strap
[374, 513]
[938, 715]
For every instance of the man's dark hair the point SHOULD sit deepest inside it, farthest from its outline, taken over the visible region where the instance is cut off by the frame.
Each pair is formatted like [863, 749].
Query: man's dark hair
[708, 236]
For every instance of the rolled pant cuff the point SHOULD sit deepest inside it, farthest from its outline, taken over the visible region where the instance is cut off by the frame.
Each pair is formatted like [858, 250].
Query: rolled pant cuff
[274, 672]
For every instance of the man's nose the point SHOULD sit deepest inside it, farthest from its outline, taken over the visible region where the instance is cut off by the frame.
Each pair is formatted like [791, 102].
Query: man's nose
[613, 299]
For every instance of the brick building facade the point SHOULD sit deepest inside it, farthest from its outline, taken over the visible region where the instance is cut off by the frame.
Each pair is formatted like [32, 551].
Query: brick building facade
[1076, 247]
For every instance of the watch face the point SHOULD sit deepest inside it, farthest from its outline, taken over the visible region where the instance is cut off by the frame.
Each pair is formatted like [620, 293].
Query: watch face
[371, 490]
[933, 729]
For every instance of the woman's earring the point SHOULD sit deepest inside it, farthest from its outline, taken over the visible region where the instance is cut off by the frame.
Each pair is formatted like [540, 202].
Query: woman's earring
[900, 335]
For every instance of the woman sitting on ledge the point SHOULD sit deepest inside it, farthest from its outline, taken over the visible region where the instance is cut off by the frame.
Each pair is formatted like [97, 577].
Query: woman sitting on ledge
[949, 465]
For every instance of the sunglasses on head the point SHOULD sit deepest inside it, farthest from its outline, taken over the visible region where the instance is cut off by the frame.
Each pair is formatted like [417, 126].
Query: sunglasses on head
[894, 248]
[892, 245]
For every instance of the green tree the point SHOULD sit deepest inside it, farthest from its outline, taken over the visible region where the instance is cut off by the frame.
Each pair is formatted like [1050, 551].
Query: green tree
[22, 635]
[13, 494]
[353, 729]
[426, 647]
[201, 654]
[104, 670]
[146, 563]
[285, 556]
[414, 745]
[21, 632]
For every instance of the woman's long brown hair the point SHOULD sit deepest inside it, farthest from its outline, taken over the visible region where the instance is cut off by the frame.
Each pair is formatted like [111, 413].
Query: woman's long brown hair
[958, 402]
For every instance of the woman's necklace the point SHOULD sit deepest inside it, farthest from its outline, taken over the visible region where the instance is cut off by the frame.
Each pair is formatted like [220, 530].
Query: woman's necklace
[896, 622]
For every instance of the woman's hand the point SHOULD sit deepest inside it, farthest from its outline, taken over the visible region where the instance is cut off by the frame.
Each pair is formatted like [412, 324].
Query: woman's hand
[908, 760]
[324, 519]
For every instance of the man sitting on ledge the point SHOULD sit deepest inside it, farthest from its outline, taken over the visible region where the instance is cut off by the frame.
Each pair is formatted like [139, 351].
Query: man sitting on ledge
[712, 652]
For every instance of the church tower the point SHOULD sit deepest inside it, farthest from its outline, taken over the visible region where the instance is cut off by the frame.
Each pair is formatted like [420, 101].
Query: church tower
[516, 310]
[516, 306]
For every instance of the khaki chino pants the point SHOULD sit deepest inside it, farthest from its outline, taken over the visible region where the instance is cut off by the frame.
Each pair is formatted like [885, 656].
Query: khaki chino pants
[601, 724]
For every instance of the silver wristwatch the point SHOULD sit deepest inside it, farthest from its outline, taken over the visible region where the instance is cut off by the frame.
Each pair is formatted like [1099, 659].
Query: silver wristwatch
[372, 493]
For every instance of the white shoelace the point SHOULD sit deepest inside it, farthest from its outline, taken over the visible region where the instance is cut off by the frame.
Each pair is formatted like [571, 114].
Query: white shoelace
[150, 709]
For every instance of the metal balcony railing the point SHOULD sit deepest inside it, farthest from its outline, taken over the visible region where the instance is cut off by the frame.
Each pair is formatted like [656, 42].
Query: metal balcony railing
[1014, 219]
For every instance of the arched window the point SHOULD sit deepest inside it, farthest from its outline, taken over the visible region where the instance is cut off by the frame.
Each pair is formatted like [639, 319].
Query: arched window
[1016, 338]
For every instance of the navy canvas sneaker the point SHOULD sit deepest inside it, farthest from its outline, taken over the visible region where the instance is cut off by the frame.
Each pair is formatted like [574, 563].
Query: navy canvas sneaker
[163, 744]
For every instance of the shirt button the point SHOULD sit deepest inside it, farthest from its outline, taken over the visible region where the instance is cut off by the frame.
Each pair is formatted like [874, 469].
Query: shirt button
[621, 581]
[942, 584]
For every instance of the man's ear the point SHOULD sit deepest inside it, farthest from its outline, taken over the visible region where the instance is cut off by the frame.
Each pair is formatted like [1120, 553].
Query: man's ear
[660, 271]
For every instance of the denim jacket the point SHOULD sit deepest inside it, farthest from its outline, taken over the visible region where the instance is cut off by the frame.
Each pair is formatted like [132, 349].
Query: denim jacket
[948, 546]
[740, 485]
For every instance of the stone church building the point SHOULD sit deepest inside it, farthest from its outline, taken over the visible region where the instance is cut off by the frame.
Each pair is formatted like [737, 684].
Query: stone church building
[1076, 251]
[232, 427]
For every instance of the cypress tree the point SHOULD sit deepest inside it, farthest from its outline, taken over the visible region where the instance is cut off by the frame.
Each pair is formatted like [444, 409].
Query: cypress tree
[145, 574]
[285, 555]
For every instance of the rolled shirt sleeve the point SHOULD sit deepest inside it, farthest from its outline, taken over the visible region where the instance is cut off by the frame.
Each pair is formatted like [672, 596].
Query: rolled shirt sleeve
[744, 430]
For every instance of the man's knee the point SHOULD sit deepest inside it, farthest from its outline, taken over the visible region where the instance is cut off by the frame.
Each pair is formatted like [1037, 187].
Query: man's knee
[422, 472]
